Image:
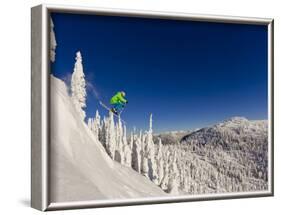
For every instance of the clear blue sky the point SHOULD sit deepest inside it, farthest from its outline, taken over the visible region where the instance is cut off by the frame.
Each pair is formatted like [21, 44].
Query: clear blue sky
[188, 74]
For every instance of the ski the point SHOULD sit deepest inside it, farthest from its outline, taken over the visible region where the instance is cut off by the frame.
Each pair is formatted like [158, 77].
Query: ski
[109, 109]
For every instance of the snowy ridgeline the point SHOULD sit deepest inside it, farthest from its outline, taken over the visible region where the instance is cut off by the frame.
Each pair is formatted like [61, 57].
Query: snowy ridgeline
[227, 157]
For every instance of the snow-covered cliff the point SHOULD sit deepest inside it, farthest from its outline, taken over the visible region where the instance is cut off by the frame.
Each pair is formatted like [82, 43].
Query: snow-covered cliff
[80, 167]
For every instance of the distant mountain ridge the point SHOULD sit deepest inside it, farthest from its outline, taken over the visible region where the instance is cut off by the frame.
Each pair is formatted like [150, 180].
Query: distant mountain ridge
[233, 130]
[170, 137]
[235, 126]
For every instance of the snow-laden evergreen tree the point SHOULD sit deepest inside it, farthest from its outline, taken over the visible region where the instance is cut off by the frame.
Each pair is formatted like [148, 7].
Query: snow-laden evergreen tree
[166, 175]
[103, 132]
[127, 150]
[119, 154]
[131, 141]
[110, 141]
[90, 123]
[53, 42]
[145, 166]
[95, 125]
[173, 186]
[150, 153]
[160, 162]
[78, 86]
[136, 154]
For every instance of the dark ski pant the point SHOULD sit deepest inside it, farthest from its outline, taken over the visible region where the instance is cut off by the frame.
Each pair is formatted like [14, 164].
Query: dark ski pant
[118, 106]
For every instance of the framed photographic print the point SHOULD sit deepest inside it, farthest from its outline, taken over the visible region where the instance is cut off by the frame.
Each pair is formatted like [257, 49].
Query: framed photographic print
[140, 107]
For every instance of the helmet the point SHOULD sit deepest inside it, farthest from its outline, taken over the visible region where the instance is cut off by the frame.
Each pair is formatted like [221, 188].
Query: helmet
[123, 93]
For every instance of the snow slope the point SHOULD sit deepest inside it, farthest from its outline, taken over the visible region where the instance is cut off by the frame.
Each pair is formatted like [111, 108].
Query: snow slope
[80, 167]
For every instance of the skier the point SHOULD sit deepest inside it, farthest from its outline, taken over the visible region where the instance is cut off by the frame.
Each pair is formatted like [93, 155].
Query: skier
[118, 102]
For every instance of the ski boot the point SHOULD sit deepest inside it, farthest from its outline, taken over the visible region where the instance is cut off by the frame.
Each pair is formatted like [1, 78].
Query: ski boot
[114, 111]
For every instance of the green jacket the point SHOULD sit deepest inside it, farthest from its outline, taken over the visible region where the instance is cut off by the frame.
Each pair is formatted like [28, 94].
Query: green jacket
[117, 98]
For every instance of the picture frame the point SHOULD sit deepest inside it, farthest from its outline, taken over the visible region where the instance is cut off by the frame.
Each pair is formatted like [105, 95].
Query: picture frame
[41, 110]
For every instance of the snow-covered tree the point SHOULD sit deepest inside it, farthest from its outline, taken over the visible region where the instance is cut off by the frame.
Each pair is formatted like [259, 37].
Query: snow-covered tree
[110, 136]
[53, 42]
[136, 154]
[103, 131]
[150, 153]
[95, 125]
[165, 181]
[90, 123]
[145, 166]
[119, 154]
[127, 150]
[160, 162]
[78, 86]
[173, 185]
